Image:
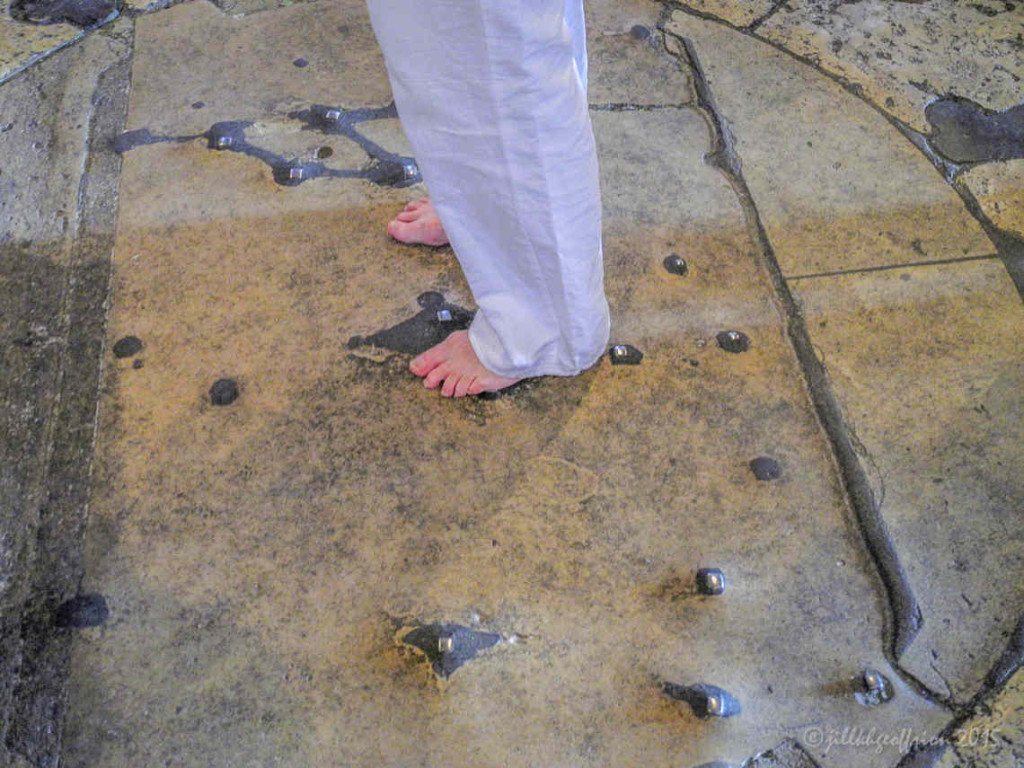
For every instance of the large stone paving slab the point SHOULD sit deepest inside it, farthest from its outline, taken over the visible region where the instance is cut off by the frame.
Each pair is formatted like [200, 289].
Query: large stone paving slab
[259, 557]
[836, 186]
[900, 55]
[905, 55]
[277, 61]
[929, 365]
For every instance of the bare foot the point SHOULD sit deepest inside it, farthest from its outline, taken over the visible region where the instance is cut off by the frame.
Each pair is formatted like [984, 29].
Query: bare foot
[418, 224]
[454, 362]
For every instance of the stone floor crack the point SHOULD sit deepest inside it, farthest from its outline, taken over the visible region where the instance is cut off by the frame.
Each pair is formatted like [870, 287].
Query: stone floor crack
[767, 15]
[628, 107]
[889, 267]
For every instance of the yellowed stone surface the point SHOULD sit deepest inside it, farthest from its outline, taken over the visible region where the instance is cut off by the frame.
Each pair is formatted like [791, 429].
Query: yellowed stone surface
[343, 65]
[905, 55]
[999, 189]
[928, 363]
[626, 68]
[21, 43]
[259, 557]
[994, 738]
[836, 186]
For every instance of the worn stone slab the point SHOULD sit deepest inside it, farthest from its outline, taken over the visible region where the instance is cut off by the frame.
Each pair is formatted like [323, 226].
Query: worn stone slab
[928, 363]
[342, 64]
[999, 189]
[55, 207]
[258, 557]
[23, 43]
[836, 186]
[905, 55]
[632, 68]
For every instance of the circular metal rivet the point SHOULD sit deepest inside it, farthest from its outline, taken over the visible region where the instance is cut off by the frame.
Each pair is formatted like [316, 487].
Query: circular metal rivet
[445, 644]
[334, 115]
[733, 341]
[625, 354]
[296, 173]
[765, 468]
[710, 581]
[444, 316]
[82, 611]
[127, 346]
[224, 392]
[675, 264]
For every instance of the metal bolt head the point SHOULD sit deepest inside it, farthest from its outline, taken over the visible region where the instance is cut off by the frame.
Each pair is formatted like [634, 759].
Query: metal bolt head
[444, 316]
[872, 688]
[765, 468]
[733, 341]
[715, 706]
[296, 173]
[224, 392]
[710, 581]
[625, 354]
[445, 644]
[873, 681]
[675, 264]
[334, 115]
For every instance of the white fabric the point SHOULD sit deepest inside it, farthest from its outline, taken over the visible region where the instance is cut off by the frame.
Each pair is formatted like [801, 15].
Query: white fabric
[492, 96]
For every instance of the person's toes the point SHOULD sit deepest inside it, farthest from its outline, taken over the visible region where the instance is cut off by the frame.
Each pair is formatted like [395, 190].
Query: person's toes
[464, 385]
[428, 361]
[436, 376]
[451, 382]
[403, 232]
[407, 216]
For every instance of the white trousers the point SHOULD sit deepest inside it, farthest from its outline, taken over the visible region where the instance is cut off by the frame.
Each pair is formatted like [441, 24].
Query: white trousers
[492, 95]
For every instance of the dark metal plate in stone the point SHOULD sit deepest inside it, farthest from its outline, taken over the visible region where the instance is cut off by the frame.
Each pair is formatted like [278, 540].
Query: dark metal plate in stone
[81, 13]
[429, 327]
[963, 132]
[449, 646]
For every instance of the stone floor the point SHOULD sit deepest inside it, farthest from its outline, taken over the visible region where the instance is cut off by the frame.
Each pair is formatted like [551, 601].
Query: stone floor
[341, 568]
